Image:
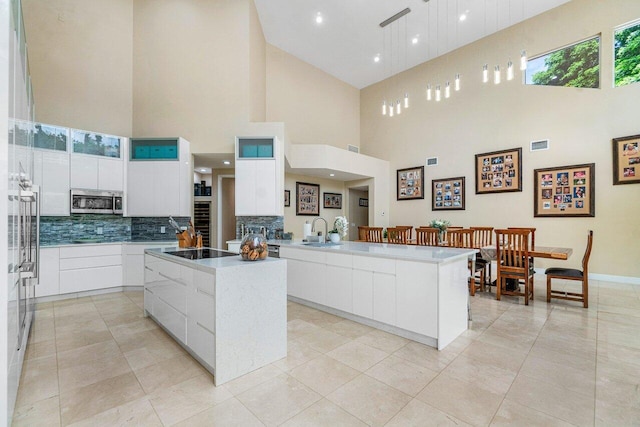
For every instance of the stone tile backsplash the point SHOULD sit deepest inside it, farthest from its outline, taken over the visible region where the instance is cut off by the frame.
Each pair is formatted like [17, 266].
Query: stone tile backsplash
[253, 223]
[56, 230]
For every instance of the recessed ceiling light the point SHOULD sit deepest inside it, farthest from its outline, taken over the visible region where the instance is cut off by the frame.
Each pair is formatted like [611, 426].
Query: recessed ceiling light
[332, 174]
[463, 17]
[227, 162]
[203, 170]
[376, 58]
[319, 18]
[414, 40]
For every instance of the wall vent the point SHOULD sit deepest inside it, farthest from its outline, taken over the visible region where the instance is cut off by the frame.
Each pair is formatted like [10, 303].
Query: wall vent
[432, 161]
[353, 148]
[540, 145]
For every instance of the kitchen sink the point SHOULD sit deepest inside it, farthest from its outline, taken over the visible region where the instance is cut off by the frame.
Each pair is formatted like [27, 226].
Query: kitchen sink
[321, 244]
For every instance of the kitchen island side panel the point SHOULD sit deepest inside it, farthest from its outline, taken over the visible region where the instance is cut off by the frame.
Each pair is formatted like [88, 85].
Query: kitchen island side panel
[251, 317]
[453, 301]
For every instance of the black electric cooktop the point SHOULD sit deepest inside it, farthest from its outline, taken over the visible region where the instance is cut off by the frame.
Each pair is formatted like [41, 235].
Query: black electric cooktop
[201, 253]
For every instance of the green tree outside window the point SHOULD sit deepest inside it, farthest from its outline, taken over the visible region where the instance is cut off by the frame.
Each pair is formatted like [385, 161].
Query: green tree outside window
[627, 55]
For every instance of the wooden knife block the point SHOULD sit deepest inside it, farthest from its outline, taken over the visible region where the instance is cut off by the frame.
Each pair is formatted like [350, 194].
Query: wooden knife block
[184, 240]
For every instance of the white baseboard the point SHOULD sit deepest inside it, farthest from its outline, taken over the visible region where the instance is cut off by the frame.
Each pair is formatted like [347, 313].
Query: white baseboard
[605, 277]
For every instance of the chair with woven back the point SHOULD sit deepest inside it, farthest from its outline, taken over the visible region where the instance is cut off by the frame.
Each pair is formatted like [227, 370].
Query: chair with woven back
[374, 234]
[427, 236]
[513, 262]
[572, 274]
[397, 235]
[362, 232]
[461, 238]
[483, 236]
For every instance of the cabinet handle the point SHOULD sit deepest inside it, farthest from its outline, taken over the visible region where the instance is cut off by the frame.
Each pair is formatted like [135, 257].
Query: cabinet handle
[173, 280]
[147, 268]
[204, 327]
[203, 292]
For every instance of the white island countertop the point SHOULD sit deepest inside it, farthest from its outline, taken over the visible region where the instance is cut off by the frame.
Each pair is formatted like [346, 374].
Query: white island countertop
[431, 254]
[207, 264]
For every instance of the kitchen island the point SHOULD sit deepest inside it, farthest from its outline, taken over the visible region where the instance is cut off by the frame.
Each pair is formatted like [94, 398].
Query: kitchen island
[229, 314]
[418, 292]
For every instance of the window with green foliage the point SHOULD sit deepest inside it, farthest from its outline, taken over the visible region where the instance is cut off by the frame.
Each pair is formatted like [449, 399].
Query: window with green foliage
[577, 65]
[627, 54]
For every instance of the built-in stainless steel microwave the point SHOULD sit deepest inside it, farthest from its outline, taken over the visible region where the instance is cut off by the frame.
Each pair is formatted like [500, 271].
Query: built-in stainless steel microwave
[97, 202]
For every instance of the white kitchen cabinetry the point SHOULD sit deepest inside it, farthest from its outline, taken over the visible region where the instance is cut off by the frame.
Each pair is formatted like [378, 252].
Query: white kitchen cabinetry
[97, 173]
[259, 185]
[90, 267]
[49, 281]
[306, 274]
[376, 285]
[160, 187]
[133, 261]
[51, 173]
[339, 282]
[416, 302]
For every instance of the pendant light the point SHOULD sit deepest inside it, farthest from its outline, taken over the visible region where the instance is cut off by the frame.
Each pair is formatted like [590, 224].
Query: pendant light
[438, 93]
[406, 100]
[485, 73]
[447, 91]
[496, 75]
[457, 83]
[523, 60]
[398, 107]
[384, 107]
[429, 92]
[509, 70]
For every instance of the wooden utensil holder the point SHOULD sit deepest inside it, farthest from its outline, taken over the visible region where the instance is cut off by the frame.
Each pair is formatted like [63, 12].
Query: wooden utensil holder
[184, 240]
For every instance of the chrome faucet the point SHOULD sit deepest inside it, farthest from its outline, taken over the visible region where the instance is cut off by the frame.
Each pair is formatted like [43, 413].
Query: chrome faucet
[263, 231]
[326, 227]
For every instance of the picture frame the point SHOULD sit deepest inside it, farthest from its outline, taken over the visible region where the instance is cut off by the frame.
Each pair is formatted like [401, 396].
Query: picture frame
[448, 194]
[564, 191]
[626, 160]
[363, 202]
[499, 171]
[307, 199]
[287, 198]
[410, 183]
[332, 200]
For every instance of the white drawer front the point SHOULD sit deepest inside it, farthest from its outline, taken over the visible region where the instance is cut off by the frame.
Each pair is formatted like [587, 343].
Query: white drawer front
[202, 308]
[206, 282]
[82, 251]
[379, 265]
[90, 278]
[174, 321]
[303, 254]
[339, 260]
[149, 297]
[202, 342]
[90, 262]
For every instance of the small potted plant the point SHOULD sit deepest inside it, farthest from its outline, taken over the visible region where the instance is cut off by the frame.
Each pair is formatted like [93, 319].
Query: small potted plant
[340, 229]
[441, 225]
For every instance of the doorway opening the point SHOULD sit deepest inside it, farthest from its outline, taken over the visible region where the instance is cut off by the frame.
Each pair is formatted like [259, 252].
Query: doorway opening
[358, 210]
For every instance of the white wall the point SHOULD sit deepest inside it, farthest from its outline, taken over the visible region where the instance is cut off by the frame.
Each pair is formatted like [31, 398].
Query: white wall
[580, 124]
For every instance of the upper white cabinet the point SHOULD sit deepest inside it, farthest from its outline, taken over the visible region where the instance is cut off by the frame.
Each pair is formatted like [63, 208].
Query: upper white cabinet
[97, 161]
[51, 172]
[259, 185]
[96, 173]
[159, 184]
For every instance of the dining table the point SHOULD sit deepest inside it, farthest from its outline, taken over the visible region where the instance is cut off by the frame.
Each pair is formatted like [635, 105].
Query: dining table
[550, 252]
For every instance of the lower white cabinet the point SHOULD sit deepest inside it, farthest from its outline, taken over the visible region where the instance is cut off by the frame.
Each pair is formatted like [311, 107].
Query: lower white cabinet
[90, 267]
[363, 293]
[416, 301]
[133, 261]
[49, 280]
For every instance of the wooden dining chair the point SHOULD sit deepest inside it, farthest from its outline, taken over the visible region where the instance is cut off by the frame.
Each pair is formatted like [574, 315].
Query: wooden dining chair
[532, 239]
[512, 249]
[572, 274]
[397, 235]
[408, 229]
[374, 235]
[427, 236]
[464, 239]
[483, 236]
[445, 235]
[362, 232]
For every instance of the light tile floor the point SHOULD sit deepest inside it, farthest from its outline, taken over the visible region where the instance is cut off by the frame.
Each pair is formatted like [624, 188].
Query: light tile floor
[96, 361]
